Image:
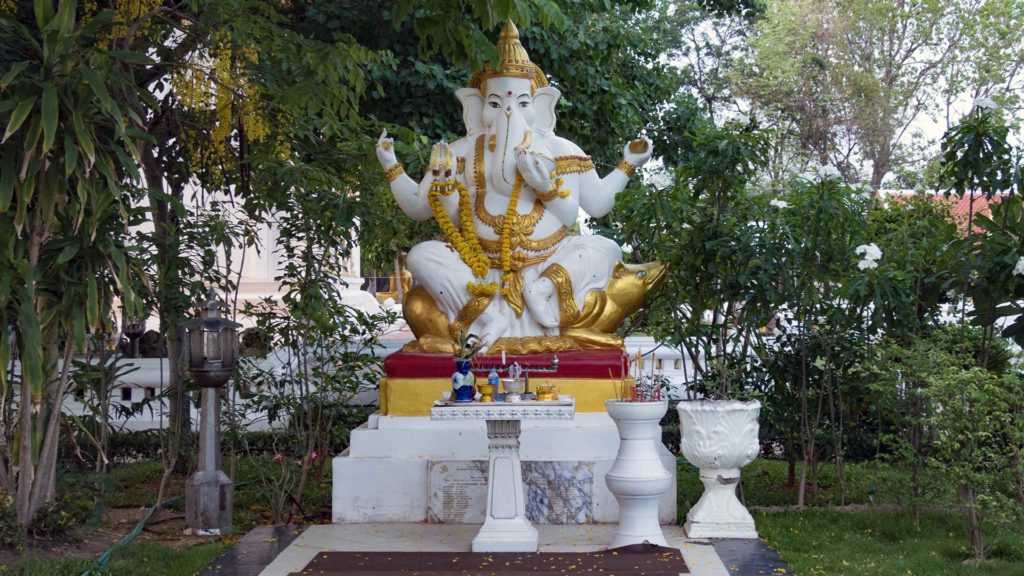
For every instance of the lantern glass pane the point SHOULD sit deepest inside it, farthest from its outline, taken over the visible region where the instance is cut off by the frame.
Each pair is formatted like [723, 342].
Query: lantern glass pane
[213, 349]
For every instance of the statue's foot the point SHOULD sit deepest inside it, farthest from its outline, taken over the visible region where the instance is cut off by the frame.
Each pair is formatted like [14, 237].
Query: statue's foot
[430, 344]
[542, 300]
[590, 338]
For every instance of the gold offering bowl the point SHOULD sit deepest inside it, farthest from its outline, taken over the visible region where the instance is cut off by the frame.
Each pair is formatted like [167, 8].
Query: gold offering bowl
[486, 392]
[546, 392]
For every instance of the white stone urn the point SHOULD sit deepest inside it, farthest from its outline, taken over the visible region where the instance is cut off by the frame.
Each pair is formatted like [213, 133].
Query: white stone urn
[719, 437]
[637, 478]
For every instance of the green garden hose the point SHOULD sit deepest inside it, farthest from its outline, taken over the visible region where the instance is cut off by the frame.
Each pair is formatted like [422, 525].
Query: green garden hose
[103, 560]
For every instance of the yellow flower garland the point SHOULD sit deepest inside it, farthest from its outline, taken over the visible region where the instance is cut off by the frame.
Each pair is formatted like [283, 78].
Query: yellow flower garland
[465, 241]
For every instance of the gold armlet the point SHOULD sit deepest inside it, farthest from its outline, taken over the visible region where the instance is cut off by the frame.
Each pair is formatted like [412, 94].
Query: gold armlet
[573, 164]
[394, 172]
[627, 168]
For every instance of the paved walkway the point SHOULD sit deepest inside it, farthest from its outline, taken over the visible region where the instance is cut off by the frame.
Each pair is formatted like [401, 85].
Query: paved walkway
[701, 558]
[282, 550]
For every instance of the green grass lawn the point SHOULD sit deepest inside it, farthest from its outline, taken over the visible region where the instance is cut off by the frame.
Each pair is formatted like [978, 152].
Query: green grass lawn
[815, 542]
[829, 543]
[764, 484]
[149, 558]
[825, 542]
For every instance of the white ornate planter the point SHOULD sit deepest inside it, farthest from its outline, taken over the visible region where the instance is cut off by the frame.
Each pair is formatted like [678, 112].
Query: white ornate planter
[719, 437]
[637, 478]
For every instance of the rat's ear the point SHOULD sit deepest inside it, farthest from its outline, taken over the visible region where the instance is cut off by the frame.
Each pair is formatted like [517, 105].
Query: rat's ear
[620, 270]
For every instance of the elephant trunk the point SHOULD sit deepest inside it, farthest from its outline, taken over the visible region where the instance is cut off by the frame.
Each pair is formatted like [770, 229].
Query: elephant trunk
[511, 131]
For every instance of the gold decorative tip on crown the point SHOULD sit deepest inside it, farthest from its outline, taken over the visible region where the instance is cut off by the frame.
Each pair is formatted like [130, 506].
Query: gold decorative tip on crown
[513, 61]
[510, 50]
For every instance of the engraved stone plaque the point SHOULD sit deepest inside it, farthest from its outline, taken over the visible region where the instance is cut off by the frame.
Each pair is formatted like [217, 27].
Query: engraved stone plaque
[458, 491]
[556, 492]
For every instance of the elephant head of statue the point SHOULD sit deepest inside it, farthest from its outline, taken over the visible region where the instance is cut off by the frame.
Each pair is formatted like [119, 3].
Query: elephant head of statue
[512, 107]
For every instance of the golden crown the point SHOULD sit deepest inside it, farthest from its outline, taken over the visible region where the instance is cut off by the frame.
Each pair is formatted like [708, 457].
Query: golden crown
[512, 61]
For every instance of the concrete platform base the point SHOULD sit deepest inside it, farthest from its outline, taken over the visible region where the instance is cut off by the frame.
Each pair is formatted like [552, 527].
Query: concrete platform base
[412, 469]
[700, 556]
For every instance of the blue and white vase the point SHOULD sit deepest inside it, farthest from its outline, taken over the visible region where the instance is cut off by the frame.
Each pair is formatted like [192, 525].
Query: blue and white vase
[463, 389]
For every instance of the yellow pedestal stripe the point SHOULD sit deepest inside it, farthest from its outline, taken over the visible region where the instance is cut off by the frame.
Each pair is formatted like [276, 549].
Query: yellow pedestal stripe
[415, 396]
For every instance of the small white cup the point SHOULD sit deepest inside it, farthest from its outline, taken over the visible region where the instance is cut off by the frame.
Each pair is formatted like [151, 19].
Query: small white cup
[446, 395]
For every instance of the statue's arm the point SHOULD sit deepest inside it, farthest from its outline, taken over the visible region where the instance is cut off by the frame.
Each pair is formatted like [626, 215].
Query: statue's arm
[597, 195]
[410, 197]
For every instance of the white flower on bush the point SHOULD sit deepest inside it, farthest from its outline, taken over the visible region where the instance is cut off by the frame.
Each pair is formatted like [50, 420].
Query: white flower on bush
[1018, 270]
[779, 203]
[829, 171]
[870, 254]
[984, 104]
[660, 180]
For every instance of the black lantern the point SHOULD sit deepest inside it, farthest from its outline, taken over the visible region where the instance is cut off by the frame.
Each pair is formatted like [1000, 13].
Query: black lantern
[212, 351]
[212, 343]
[133, 327]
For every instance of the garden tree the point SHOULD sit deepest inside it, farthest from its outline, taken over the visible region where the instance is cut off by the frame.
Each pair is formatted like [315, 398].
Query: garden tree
[969, 419]
[977, 160]
[715, 42]
[820, 227]
[850, 77]
[719, 289]
[323, 350]
[68, 163]
[922, 263]
[990, 59]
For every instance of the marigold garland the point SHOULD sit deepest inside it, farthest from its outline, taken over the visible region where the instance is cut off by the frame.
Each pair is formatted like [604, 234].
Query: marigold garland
[464, 241]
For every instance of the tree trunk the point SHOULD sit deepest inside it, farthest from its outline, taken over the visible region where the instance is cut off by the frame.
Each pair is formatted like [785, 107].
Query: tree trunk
[801, 492]
[171, 309]
[972, 518]
[27, 468]
[790, 464]
[1018, 478]
[44, 487]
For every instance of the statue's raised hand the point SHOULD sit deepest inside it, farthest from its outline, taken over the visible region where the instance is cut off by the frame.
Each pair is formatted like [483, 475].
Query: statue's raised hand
[536, 169]
[638, 152]
[386, 151]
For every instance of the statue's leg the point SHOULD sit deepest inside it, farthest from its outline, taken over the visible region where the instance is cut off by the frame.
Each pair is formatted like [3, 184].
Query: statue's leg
[579, 265]
[443, 276]
[422, 314]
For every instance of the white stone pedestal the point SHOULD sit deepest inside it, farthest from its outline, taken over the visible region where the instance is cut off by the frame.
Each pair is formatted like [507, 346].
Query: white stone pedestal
[638, 479]
[414, 469]
[506, 528]
[719, 437]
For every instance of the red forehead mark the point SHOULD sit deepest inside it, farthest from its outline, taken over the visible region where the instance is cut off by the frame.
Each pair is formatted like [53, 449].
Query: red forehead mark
[509, 93]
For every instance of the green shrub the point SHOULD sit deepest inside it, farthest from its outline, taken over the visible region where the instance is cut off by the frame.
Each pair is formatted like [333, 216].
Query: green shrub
[12, 535]
[80, 500]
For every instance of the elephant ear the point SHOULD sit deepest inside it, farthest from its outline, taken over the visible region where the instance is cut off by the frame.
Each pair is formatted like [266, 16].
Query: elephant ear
[544, 100]
[472, 109]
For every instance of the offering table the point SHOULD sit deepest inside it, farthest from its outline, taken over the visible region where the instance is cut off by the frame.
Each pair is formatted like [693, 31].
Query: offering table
[506, 528]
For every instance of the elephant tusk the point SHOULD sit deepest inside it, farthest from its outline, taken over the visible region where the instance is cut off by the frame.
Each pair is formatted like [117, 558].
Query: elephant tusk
[527, 139]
